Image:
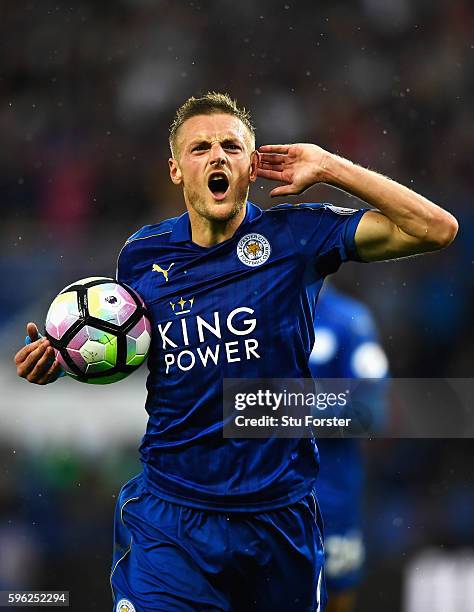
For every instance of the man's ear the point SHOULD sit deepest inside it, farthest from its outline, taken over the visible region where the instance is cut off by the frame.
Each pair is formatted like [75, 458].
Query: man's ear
[254, 163]
[175, 172]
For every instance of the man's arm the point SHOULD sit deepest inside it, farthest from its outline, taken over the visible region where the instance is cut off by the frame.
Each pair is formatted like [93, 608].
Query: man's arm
[407, 223]
[35, 361]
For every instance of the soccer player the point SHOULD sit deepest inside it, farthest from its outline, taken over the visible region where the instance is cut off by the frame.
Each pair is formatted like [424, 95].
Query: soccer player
[232, 524]
[346, 346]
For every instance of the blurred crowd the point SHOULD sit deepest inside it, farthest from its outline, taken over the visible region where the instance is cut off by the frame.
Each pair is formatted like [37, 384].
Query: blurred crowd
[88, 89]
[87, 92]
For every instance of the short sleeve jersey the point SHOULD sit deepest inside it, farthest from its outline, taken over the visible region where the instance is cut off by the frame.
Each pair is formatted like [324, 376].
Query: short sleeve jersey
[240, 309]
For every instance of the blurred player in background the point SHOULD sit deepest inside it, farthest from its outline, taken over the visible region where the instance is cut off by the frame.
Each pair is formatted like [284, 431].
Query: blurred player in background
[224, 524]
[346, 346]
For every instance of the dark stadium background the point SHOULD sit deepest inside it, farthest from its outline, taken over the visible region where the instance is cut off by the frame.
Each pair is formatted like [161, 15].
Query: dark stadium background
[87, 90]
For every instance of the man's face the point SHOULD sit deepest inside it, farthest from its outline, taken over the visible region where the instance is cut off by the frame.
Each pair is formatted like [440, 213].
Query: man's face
[214, 160]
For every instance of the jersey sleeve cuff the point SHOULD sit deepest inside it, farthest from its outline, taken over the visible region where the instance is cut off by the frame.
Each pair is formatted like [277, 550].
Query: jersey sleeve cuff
[351, 228]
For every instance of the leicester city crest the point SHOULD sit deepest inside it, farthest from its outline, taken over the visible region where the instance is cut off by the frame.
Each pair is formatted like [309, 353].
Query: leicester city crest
[253, 250]
[125, 606]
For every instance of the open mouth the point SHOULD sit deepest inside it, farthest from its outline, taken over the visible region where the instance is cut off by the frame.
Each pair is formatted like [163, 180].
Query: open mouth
[218, 184]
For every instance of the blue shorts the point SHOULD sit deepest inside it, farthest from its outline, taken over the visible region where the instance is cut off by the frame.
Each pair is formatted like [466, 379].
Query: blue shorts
[170, 558]
[343, 542]
[345, 553]
[340, 488]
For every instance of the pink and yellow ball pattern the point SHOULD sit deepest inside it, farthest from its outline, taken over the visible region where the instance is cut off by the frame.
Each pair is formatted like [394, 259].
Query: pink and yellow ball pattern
[100, 330]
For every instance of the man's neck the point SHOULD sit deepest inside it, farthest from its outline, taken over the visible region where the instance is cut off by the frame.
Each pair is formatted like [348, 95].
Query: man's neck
[208, 233]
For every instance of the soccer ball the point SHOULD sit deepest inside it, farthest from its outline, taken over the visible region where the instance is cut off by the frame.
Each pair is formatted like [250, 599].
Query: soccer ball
[99, 329]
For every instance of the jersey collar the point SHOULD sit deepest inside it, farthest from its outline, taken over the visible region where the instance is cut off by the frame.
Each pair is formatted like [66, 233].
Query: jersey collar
[182, 228]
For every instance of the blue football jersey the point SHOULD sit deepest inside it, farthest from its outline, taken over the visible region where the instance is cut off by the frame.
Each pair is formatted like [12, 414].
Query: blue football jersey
[240, 309]
[346, 346]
